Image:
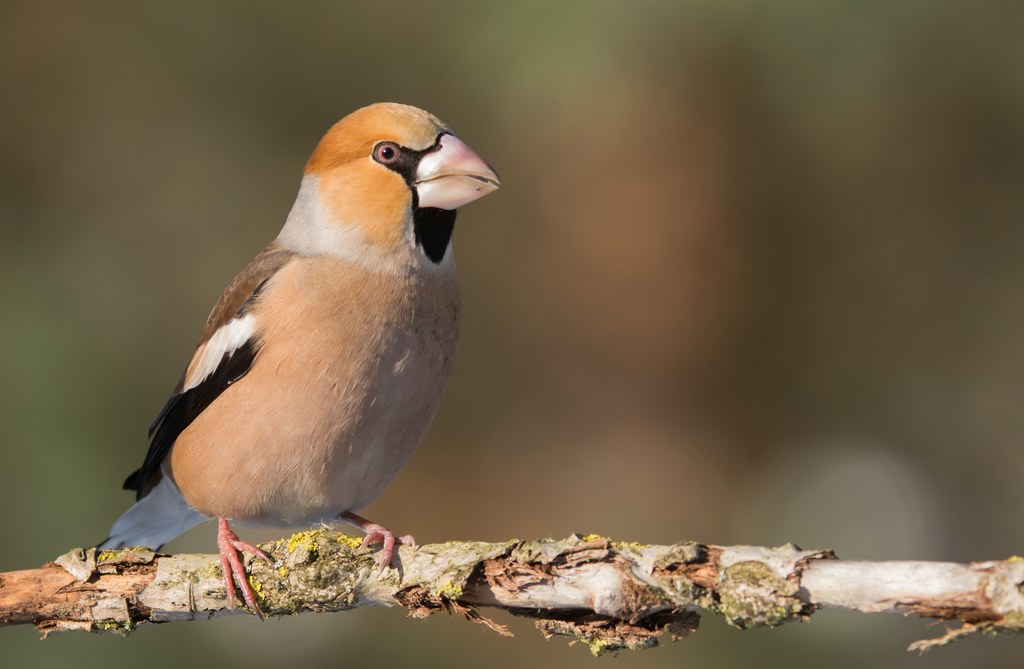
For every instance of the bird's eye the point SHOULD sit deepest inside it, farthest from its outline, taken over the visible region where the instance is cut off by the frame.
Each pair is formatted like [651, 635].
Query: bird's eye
[385, 153]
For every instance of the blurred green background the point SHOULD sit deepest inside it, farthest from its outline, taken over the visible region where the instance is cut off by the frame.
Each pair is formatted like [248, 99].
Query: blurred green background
[755, 275]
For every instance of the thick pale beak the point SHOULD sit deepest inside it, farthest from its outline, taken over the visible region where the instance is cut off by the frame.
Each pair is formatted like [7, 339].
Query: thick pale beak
[453, 175]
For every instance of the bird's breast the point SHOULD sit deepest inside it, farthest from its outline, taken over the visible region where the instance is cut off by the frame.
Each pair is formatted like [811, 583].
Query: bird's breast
[349, 374]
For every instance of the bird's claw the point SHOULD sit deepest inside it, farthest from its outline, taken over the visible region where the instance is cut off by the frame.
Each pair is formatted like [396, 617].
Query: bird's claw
[233, 569]
[378, 534]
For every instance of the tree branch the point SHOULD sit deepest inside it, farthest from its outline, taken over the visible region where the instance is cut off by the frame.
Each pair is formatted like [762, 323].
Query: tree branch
[611, 595]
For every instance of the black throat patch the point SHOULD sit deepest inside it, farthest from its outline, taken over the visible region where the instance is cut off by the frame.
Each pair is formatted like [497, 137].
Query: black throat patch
[433, 229]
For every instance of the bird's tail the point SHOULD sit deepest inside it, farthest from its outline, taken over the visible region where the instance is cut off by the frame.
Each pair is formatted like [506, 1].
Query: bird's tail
[154, 520]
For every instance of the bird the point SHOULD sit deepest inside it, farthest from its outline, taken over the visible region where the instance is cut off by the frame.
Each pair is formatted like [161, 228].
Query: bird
[322, 364]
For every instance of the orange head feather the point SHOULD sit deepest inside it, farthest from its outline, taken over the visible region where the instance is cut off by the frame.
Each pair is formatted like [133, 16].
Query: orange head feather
[373, 174]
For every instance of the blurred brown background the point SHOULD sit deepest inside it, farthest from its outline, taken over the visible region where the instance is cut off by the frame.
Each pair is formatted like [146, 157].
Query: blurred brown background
[754, 276]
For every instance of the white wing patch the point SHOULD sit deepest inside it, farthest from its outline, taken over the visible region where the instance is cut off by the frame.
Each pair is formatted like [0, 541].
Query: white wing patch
[225, 340]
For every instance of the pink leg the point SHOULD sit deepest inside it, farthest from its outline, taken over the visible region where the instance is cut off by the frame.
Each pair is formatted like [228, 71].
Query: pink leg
[378, 534]
[231, 564]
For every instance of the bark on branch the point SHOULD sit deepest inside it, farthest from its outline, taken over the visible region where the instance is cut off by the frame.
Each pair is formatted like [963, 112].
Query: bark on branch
[611, 595]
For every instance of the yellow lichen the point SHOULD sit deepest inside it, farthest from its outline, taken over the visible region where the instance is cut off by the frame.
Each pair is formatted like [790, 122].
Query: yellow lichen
[106, 555]
[307, 540]
[449, 590]
[599, 647]
[120, 628]
[591, 537]
[282, 571]
[350, 541]
[257, 587]
[635, 545]
[210, 571]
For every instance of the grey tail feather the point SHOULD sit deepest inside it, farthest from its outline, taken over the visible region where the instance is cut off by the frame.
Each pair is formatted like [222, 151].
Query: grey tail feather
[154, 520]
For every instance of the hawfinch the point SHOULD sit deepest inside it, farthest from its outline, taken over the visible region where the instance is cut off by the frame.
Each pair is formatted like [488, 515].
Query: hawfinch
[323, 363]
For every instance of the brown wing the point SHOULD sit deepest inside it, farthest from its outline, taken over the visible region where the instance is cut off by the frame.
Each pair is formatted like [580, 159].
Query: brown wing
[226, 351]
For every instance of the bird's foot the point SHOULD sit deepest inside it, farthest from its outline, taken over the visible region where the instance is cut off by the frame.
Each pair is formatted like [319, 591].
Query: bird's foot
[378, 534]
[229, 546]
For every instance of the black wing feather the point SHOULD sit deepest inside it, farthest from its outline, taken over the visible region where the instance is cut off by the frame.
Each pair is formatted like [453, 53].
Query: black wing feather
[183, 408]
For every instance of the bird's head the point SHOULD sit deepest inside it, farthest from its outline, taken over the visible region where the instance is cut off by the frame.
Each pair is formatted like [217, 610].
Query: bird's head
[384, 180]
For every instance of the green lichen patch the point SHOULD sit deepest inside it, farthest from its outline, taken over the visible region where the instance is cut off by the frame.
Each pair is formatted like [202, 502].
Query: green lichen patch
[543, 551]
[682, 591]
[548, 551]
[751, 594]
[1011, 622]
[209, 571]
[319, 571]
[683, 572]
[444, 569]
[120, 628]
[680, 554]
